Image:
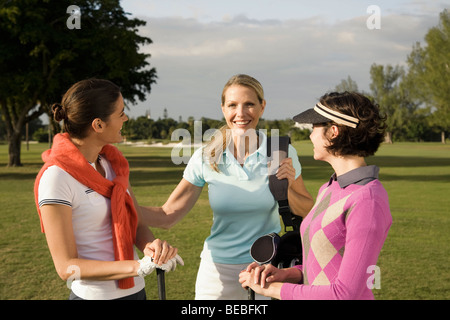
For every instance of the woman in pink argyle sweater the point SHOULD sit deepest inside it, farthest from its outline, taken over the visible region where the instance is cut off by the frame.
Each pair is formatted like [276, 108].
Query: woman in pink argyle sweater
[344, 232]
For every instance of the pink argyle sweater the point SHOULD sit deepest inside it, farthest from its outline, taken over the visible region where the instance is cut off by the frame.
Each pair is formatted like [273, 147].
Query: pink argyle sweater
[342, 237]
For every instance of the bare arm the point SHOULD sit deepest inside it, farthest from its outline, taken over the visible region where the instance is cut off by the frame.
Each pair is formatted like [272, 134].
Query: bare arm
[180, 202]
[57, 220]
[160, 250]
[300, 200]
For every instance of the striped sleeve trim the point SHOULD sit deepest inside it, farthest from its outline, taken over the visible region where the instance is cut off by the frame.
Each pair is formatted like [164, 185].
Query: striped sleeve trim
[54, 201]
[88, 190]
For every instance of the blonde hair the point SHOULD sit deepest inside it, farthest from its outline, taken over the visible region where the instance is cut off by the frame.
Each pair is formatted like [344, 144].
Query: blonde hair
[246, 81]
[214, 149]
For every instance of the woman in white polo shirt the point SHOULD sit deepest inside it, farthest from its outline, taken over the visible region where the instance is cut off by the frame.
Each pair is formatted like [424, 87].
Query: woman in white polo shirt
[234, 165]
[85, 203]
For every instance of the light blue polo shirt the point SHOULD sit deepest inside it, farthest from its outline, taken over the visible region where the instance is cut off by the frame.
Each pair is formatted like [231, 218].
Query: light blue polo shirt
[243, 206]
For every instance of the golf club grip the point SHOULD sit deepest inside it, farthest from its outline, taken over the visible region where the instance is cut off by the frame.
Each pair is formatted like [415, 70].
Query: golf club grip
[251, 294]
[161, 284]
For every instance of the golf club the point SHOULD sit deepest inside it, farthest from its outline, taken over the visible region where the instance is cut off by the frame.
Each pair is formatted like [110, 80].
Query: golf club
[263, 251]
[161, 284]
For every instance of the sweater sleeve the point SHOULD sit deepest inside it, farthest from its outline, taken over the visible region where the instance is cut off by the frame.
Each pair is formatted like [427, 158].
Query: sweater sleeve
[367, 226]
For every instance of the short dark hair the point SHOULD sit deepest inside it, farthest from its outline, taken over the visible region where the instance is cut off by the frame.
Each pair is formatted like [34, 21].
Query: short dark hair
[363, 140]
[85, 101]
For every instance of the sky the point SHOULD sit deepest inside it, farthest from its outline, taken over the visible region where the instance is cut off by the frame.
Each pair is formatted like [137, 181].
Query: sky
[298, 50]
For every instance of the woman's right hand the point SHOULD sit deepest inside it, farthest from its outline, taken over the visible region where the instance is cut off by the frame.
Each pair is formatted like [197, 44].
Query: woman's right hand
[160, 250]
[266, 273]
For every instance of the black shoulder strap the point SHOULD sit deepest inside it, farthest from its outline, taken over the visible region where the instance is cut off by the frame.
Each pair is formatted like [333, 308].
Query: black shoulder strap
[277, 151]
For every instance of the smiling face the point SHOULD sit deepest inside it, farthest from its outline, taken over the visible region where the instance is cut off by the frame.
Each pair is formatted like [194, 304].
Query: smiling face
[319, 142]
[242, 108]
[112, 127]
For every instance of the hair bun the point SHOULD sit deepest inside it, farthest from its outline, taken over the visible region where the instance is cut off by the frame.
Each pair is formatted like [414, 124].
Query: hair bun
[58, 112]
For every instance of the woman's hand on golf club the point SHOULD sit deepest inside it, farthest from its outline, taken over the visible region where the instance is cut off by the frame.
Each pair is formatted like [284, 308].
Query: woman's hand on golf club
[256, 277]
[160, 250]
[267, 280]
[262, 274]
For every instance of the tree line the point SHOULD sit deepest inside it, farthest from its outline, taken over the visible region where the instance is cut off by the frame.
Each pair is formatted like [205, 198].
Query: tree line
[144, 128]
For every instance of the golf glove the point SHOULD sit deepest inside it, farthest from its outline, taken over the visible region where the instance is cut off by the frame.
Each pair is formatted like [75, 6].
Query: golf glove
[171, 265]
[147, 265]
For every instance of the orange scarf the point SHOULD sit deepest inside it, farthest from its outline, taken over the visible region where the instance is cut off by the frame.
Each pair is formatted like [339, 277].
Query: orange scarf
[66, 155]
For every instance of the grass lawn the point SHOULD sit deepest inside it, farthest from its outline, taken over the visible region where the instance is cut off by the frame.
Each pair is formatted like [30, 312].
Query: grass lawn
[414, 262]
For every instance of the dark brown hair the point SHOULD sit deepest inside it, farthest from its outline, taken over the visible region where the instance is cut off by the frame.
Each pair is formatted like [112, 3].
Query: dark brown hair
[363, 140]
[85, 101]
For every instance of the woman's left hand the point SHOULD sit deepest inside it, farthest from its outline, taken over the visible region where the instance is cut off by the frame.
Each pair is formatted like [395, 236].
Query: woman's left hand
[286, 171]
[247, 281]
[260, 279]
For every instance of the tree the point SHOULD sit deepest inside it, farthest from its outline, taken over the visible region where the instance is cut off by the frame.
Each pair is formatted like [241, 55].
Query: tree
[385, 87]
[40, 57]
[429, 68]
[347, 85]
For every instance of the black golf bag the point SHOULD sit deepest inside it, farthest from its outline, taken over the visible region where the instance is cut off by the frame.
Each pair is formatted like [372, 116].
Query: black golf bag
[286, 250]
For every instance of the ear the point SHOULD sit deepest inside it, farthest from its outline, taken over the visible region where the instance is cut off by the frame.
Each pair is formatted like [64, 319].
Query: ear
[223, 110]
[263, 107]
[98, 125]
[334, 131]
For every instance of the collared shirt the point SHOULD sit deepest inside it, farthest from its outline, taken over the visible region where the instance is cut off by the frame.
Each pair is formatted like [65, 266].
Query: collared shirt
[91, 221]
[243, 206]
[342, 237]
[359, 176]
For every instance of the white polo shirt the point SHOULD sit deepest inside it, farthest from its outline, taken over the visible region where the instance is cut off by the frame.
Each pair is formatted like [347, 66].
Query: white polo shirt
[243, 206]
[91, 220]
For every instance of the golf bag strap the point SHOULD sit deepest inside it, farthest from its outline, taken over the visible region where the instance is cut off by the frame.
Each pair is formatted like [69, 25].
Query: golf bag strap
[277, 151]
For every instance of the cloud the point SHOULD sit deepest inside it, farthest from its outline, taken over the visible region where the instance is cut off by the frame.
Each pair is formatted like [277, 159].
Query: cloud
[296, 60]
[204, 48]
[346, 37]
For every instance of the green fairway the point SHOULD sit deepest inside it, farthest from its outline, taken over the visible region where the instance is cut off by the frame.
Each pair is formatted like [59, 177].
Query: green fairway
[414, 262]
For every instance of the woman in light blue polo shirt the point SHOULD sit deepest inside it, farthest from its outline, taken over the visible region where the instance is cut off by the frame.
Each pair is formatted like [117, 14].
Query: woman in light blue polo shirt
[234, 165]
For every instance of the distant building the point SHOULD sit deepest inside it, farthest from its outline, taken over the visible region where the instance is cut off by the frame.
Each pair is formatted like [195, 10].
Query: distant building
[303, 126]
